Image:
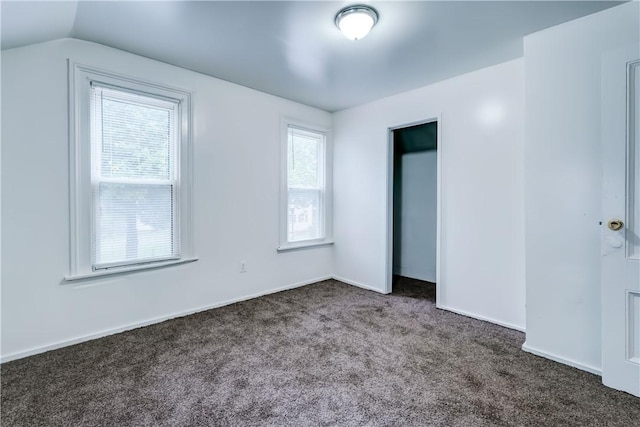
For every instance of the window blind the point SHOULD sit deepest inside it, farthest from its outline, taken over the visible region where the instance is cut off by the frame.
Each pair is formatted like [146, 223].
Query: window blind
[134, 179]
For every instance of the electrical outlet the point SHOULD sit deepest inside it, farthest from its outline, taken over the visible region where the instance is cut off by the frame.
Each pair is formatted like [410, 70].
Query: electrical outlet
[243, 266]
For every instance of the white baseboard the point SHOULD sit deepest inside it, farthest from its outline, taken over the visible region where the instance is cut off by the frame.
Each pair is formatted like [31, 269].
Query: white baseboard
[483, 318]
[104, 333]
[358, 284]
[560, 359]
[135, 325]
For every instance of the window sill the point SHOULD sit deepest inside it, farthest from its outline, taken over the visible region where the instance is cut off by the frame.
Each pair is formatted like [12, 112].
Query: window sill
[304, 245]
[124, 270]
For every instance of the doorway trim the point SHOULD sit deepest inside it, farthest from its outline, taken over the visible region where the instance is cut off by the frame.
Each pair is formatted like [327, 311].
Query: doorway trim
[389, 234]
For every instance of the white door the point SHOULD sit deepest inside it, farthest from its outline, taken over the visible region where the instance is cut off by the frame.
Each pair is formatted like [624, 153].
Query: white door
[621, 220]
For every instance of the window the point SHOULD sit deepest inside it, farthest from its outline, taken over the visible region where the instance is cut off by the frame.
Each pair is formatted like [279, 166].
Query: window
[306, 200]
[131, 162]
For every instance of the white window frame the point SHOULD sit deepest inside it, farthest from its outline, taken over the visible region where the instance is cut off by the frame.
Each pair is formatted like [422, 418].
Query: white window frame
[325, 161]
[81, 202]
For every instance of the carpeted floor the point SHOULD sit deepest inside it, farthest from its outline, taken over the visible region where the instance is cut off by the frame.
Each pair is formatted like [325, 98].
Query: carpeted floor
[323, 354]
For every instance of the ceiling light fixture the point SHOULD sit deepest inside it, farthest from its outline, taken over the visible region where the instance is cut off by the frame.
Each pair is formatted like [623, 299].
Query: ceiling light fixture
[355, 22]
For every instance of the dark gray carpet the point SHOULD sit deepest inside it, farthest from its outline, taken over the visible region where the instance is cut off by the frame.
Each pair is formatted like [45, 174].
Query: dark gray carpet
[324, 354]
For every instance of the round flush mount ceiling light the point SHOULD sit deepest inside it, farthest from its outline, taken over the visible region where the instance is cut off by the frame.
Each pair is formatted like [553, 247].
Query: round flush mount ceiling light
[355, 22]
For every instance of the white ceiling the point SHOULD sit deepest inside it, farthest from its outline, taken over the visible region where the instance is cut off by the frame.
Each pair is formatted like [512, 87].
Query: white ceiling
[292, 48]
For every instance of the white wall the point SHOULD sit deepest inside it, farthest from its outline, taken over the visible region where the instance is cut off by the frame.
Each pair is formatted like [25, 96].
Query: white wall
[236, 175]
[482, 266]
[416, 242]
[563, 182]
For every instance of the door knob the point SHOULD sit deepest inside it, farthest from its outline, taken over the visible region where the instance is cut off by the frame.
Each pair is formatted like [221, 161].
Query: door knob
[615, 224]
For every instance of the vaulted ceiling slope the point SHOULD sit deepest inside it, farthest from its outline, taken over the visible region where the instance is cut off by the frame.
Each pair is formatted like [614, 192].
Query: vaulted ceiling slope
[292, 48]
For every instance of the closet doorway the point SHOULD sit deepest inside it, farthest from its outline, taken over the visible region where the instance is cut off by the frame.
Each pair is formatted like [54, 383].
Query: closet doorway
[414, 210]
